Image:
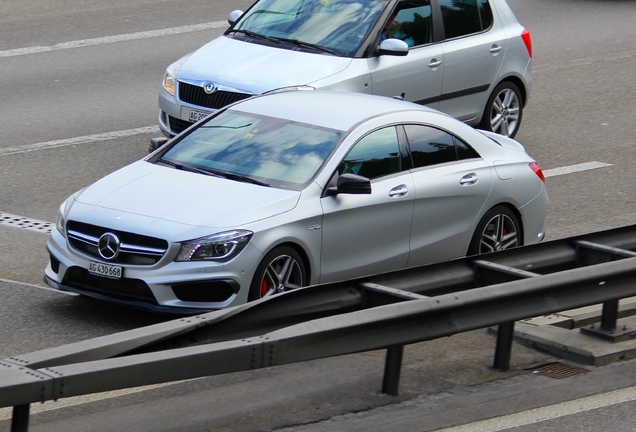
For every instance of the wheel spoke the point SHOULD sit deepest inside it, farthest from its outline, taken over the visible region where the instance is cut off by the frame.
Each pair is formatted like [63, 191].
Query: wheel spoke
[505, 129]
[508, 97]
[270, 281]
[496, 122]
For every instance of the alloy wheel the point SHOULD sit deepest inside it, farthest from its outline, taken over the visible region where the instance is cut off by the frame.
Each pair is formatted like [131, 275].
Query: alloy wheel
[281, 274]
[500, 233]
[505, 113]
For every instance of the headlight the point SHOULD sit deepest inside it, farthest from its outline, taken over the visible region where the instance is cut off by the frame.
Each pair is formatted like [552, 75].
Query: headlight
[218, 247]
[169, 81]
[63, 210]
[61, 222]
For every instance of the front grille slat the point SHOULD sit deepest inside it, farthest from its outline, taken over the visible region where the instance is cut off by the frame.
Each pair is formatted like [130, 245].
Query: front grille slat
[195, 95]
[134, 249]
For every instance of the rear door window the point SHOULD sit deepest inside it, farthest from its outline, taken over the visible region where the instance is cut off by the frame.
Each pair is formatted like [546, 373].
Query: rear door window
[431, 146]
[464, 17]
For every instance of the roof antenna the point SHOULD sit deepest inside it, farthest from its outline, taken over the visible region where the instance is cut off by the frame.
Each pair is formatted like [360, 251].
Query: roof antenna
[400, 97]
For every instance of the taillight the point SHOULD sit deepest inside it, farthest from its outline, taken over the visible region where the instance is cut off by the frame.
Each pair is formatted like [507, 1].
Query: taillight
[534, 167]
[527, 40]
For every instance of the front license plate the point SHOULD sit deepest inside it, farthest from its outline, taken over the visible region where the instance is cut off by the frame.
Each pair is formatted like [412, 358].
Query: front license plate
[105, 270]
[195, 115]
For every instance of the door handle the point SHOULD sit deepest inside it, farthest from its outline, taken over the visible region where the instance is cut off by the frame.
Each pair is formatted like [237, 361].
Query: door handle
[494, 49]
[434, 63]
[469, 179]
[399, 191]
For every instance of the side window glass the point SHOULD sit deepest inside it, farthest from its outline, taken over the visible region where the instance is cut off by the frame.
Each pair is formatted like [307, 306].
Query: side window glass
[430, 146]
[375, 155]
[461, 17]
[485, 13]
[464, 151]
[412, 24]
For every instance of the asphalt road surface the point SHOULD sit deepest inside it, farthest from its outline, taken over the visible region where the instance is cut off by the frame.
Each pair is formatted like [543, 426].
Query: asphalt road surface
[78, 99]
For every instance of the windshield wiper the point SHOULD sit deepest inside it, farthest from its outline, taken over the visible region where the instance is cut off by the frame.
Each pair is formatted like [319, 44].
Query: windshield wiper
[241, 178]
[214, 173]
[254, 35]
[187, 168]
[306, 45]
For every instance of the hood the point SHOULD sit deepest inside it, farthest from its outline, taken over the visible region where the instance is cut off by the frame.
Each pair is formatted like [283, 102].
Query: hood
[254, 68]
[163, 193]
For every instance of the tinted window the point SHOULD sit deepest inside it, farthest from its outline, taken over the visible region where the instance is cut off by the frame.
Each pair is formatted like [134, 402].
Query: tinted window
[375, 155]
[430, 146]
[461, 17]
[485, 13]
[464, 151]
[411, 23]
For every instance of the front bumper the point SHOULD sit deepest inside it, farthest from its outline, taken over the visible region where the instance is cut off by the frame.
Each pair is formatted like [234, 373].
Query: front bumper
[167, 286]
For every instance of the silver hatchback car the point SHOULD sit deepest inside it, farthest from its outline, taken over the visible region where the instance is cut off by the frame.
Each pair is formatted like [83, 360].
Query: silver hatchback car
[291, 189]
[468, 58]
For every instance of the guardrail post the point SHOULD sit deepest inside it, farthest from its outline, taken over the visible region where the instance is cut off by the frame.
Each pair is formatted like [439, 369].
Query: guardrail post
[609, 316]
[392, 369]
[20, 420]
[503, 350]
[608, 328]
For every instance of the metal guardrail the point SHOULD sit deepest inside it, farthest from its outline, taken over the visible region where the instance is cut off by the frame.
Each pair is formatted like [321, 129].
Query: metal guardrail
[381, 312]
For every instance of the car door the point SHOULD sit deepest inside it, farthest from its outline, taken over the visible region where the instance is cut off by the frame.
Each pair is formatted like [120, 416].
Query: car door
[418, 75]
[369, 234]
[474, 50]
[452, 183]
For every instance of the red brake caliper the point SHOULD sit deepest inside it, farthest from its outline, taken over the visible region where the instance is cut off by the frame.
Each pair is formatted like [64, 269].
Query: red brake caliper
[264, 287]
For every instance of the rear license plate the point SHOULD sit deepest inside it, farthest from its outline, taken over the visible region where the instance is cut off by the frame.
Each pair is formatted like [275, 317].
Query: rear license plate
[105, 270]
[195, 115]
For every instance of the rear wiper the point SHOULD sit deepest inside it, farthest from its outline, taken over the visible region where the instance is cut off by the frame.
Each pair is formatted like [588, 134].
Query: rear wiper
[307, 45]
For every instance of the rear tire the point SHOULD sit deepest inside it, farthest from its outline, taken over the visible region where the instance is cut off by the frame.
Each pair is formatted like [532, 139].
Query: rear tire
[504, 110]
[499, 229]
[282, 269]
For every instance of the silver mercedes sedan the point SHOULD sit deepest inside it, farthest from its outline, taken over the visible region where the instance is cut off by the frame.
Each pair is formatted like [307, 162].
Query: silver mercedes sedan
[292, 189]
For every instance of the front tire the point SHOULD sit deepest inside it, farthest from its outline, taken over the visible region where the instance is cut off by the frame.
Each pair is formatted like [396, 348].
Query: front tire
[504, 110]
[282, 269]
[499, 229]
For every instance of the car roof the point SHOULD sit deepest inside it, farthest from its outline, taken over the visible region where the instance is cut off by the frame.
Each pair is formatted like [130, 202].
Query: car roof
[331, 109]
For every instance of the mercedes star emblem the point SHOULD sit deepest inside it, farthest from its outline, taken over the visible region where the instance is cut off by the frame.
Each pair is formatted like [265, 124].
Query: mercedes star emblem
[108, 246]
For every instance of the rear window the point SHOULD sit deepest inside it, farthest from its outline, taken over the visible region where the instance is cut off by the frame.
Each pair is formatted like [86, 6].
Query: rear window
[464, 17]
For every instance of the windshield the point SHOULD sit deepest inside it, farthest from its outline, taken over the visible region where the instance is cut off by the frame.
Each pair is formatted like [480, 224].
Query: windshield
[257, 149]
[333, 26]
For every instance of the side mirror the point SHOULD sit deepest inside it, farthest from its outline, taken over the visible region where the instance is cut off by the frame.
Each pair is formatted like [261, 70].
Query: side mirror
[351, 184]
[394, 47]
[155, 143]
[234, 16]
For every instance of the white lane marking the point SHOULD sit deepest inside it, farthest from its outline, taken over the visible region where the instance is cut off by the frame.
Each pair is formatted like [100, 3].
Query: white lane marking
[550, 412]
[38, 287]
[575, 168]
[78, 140]
[112, 39]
